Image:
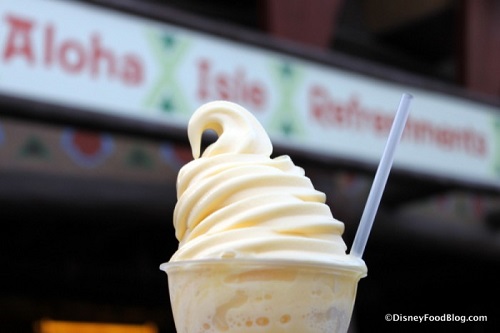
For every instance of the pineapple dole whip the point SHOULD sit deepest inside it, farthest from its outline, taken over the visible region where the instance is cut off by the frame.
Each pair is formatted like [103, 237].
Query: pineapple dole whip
[258, 246]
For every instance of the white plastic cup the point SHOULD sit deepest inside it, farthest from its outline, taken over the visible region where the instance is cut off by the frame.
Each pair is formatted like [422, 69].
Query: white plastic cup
[252, 295]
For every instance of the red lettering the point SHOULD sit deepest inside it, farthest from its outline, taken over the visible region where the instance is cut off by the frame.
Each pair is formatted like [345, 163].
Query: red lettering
[204, 67]
[419, 130]
[49, 45]
[257, 95]
[229, 86]
[101, 55]
[133, 73]
[480, 146]
[329, 112]
[354, 112]
[71, 56]
[222, 87]
[239, 86]
[351, 115]
[19, 41]
[446, 138]
[382, 124]
[318, 102]
[338, 113]
[474, 143]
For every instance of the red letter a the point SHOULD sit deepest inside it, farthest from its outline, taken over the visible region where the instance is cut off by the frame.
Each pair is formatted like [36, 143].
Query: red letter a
[20, 32]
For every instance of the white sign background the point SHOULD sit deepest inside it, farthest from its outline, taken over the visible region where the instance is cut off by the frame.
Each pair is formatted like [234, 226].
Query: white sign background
[174, 83]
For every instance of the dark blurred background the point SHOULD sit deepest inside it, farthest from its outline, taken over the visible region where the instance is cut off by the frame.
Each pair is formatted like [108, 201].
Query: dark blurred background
[85, 245]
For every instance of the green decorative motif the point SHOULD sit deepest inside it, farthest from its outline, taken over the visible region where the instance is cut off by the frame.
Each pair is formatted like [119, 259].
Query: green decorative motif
[285, 119]
[166, 94]
[33, 147]
[140, 159]
[169, 41]
[167, 105]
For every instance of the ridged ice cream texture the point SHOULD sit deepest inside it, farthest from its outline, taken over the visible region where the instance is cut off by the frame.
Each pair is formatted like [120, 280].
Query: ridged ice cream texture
[236, 201]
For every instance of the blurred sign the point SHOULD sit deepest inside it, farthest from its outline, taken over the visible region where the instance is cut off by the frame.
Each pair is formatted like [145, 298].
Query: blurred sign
[78, 54]
[55, 326]
[65, 151]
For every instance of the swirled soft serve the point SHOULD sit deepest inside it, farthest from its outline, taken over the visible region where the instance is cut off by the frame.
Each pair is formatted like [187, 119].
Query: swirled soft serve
[259, 250]
[234, 200]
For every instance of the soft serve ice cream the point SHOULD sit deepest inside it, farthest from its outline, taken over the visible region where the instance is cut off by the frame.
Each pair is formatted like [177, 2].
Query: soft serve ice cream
[237, 207]
[234, 200]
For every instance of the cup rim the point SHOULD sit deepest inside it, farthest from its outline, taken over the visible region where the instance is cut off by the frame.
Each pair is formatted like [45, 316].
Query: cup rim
[354, 266]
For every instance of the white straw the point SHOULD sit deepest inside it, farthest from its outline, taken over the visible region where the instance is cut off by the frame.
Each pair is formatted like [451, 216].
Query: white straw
[384, 167]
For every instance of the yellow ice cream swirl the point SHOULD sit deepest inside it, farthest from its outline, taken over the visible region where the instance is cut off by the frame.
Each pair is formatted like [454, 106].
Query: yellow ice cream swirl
[236, 201]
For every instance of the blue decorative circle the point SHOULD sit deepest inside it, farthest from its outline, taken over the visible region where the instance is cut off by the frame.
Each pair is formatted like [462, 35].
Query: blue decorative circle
[89, 161]
[2, 135]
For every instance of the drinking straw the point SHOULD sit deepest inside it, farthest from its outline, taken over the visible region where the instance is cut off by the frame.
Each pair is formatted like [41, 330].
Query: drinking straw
[381, 176]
